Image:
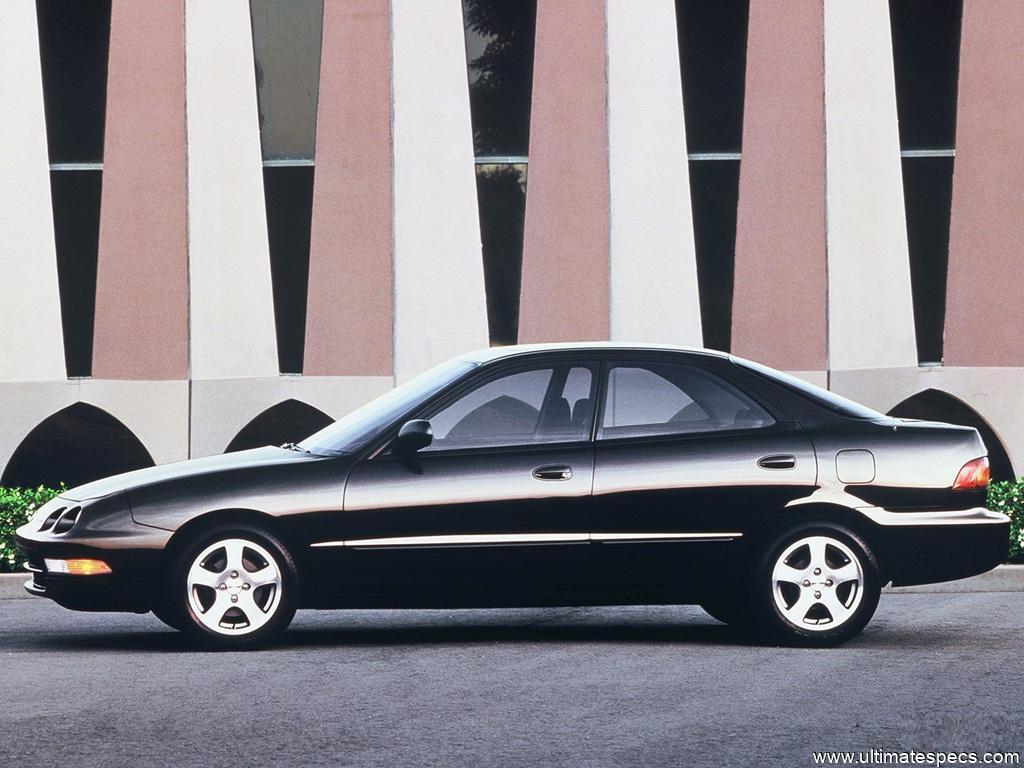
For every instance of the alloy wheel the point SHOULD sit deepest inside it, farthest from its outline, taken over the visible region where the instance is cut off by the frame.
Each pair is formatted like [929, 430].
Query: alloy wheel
[817, 583]
[234, 586]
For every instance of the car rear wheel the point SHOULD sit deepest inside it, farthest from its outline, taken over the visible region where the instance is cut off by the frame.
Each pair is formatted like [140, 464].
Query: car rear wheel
[817, 586]
[233, 587]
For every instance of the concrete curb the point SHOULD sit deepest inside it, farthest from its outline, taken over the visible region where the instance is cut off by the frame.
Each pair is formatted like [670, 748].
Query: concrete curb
[12, 585]
[1005, 578]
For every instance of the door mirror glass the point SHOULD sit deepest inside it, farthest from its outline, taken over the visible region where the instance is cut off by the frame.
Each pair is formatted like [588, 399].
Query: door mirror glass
[413, 436]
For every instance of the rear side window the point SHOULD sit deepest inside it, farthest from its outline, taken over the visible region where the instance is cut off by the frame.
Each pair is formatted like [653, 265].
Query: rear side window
[669, 399]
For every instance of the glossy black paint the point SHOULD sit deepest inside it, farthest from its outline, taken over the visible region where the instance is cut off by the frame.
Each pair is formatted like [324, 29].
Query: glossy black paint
[714, 484]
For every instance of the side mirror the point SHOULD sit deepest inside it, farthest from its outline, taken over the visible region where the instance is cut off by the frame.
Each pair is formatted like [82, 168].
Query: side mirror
[413, 436]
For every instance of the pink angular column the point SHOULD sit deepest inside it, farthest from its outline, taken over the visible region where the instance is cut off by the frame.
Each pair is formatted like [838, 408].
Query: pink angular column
[349, 316]
[141, 329]
[565, 250]
[984, 312]
[779, 301]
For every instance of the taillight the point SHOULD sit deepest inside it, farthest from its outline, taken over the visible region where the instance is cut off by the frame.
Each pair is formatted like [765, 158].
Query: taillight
[973, 475]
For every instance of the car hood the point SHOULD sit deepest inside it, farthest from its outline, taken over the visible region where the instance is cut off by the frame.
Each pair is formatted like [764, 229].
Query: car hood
[267, 456]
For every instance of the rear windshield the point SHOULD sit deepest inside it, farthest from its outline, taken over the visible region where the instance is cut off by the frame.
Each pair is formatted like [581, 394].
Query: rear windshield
[817, 395]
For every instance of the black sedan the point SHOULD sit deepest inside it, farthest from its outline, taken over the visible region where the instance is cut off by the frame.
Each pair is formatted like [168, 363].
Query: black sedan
[543, 475]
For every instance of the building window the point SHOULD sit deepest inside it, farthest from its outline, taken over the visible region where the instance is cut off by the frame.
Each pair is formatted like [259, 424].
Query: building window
[286, 51]
[74, 38]
[499, 57]
[926, 54]
[713, 54]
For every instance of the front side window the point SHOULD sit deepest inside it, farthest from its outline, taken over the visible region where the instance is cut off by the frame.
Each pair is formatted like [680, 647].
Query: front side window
[540, 405]
[668, 399]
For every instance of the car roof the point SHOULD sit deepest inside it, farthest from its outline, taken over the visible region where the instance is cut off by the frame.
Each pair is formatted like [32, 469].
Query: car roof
[490, 354]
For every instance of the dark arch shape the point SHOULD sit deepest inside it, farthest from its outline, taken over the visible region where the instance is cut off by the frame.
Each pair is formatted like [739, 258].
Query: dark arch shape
[287, 422]
[76, 445]
[935, 405]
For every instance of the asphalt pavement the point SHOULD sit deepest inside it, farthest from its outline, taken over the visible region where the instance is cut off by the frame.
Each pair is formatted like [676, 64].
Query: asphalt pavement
[567, 687]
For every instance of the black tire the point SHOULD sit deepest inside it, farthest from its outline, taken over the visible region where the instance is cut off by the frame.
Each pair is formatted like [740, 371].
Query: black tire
[178, 608]
[814, 629]
[166, 615]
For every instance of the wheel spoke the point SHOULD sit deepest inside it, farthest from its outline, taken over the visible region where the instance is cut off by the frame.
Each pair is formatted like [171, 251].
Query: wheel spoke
[198, 575]
[787, 573]
[233, 552]
[797, 612]
[836, 609]
[264, 576]
[848, 572]
[817, 546]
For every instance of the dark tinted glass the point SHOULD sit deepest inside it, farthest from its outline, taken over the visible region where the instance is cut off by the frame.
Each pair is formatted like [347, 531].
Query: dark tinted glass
[822, 397]
[714, 187]
[76, 224]
[668, 399]
[927, 196]
[499, 50]
[74, 37]
[289, 196]
[286, 48]
[368, 422]
[501, 193]
[926, 55]
[713, 56]
[541, 405]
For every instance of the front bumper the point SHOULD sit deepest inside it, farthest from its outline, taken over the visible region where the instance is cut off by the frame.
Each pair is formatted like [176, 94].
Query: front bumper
[133, 552]
[933, 546]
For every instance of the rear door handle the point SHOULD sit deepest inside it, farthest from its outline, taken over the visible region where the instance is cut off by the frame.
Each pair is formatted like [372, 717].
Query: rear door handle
[777, 461]
[559, 472]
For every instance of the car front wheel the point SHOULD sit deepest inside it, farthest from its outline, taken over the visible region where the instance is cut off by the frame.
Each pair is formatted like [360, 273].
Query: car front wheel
[234, 587]
[818, 586]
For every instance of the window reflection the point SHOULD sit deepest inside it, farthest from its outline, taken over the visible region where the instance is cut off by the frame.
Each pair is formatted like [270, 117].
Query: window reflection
[499, 52]
[501, 194]
[286, 49]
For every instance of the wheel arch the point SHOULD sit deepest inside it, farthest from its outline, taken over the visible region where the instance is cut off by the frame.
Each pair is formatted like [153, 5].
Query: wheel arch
[218, 517]
[827, 513]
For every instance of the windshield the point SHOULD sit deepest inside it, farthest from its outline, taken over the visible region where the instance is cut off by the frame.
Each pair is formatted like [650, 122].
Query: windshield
[367, 422]
[823, 397]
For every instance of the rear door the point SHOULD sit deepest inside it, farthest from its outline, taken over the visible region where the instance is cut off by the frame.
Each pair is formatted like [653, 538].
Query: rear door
[498, 502]
[686, 465]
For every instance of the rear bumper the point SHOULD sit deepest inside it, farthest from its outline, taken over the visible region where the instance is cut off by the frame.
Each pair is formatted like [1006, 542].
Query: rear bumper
[933, 546]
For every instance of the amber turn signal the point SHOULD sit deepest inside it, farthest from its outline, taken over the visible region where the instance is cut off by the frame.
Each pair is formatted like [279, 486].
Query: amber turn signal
[973, 475]
[82, 566]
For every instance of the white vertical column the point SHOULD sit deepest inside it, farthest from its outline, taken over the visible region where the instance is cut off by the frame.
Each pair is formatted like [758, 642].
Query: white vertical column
[440, 307]
[871, 317]
[653, 266]
[232, 306]
[31, 339]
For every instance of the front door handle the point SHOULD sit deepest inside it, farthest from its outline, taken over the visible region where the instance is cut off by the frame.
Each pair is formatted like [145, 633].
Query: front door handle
[777, 461]
[560, 472]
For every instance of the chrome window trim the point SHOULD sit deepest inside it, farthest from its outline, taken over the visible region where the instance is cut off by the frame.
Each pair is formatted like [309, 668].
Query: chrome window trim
[515, 539]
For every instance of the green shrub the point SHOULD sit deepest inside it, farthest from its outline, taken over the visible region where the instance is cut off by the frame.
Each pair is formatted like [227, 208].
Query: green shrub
[1008, 497]
[16, 506]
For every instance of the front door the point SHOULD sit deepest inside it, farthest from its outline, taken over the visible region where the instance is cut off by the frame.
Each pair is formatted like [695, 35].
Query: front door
[498, 502]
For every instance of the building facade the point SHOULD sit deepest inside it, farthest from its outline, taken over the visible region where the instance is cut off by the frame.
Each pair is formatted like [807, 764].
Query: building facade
[227, 222]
